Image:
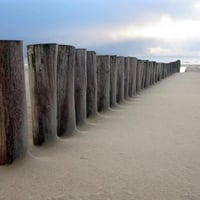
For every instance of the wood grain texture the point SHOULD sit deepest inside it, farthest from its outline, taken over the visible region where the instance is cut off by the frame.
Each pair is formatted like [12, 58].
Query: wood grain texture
[103, 82]
[148, 74]
[126, 77]
[139, 75]
[143, 74]
[80, 85]
[113, 80]
[13, 112]
[42, 59]
[65, 90]
[120, 78]
[91, 83]
[152, 72]
[159, 71]
[132, 76]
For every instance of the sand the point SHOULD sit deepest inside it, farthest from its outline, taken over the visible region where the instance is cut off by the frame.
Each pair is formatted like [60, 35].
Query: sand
[148, 148]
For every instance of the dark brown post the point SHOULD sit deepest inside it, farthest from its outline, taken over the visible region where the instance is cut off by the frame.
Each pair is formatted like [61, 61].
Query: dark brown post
[120, 78]
[154, 72]
[80, 85]
[146, 82]
[13, 112]
[150, 72]
[42, 59]
[178, 65]
[91, 83]
[139, 75]
[132, 76]
[126, 77]
[113, 80]
[143, 74]
[159, 71]
[103, 82]
[65, 90]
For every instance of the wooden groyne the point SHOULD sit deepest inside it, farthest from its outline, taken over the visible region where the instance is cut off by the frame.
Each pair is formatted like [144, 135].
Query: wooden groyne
[67, 85]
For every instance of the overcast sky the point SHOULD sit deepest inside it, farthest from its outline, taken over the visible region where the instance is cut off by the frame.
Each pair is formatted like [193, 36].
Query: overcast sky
[123, 27]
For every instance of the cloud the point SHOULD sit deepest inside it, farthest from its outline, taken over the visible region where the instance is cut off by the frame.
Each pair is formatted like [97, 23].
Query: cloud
[150, 27]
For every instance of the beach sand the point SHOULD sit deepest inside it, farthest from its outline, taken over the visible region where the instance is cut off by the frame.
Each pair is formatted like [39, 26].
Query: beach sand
[147, 148]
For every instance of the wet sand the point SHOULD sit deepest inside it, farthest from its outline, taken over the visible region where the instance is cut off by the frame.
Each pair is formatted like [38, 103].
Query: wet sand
[145, 149]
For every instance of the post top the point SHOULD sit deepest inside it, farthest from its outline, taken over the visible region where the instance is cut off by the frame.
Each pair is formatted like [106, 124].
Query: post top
[11, 41]
[42, 44]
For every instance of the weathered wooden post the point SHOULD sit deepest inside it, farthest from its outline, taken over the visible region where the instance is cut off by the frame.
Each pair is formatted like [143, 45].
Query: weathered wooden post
[151, 72]
[42, 59]
[178, 65]
[103, 82]
[132, 76]
[163, 70]
[126, 77]
[113, 80]
[143, 74]
[146, 83]
[154, 72]
[139, 75]
[81, 85]
[149, 75]
[120, 78]
[13, 112]
[159, 71]
[91, 84]
[65, 90]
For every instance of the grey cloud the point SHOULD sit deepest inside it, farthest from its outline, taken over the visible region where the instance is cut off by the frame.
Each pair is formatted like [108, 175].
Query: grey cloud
[126, 48]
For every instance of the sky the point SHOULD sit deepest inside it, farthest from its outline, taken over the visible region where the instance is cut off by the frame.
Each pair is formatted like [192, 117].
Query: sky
[128, 27]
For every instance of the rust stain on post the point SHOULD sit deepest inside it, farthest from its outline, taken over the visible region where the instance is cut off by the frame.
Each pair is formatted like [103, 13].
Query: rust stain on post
[42, 60]
[13, 111]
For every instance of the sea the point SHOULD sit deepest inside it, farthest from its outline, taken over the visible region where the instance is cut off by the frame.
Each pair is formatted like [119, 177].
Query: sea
[185, 60]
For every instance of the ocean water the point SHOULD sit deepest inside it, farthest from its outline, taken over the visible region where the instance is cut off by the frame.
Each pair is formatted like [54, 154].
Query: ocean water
[185, 60]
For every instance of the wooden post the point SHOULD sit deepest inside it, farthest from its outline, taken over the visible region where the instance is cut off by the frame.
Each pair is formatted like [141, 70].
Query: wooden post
[139, 75]
[178, 65]
[163, 70]
[151, 71]
[143, 74]
[159, 71]
[126, 77]
[134, 66]
[42, 59]
[13, 111]
[65, 90]
[120, 79]
[131, 78]
[91, 84]
[103, 81]
[80, 85]
[113, 80]
[146, 82]
[154, 72]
